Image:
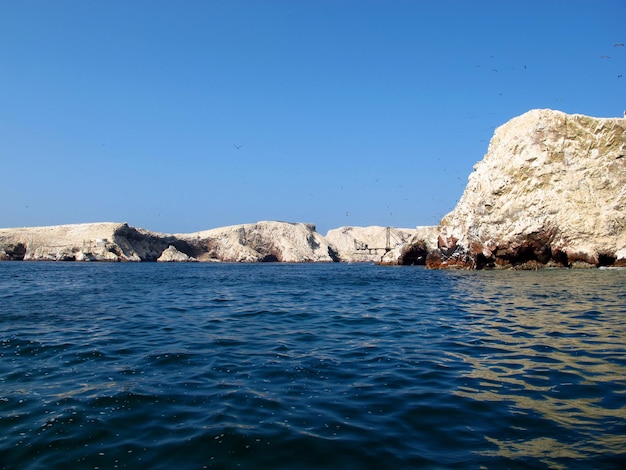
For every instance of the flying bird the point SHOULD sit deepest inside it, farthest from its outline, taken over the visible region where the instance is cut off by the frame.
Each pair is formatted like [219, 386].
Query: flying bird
[237, 146]
[605, 57]
[619, 44]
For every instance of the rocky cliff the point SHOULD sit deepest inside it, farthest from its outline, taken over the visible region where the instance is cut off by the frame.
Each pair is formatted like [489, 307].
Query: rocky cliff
[385, 245]
[263, 241]
[85, 242]
[551, 191]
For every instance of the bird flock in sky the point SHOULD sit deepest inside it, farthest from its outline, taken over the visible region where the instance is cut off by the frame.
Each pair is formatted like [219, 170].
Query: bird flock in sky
[617, 44]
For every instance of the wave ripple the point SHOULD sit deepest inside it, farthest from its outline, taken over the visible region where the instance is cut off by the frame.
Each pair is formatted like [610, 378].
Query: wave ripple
[310, 366]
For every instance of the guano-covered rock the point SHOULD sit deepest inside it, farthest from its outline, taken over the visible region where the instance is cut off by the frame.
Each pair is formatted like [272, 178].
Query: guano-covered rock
[551, 191]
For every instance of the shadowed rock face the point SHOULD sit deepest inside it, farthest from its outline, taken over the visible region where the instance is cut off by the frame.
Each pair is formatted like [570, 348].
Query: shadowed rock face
[137, 244]
[551, 191]
[414, 253]
[12, 252]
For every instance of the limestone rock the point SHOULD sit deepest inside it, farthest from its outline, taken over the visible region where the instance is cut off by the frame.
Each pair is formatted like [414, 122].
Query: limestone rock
[385, 245]
[84, 242]
[171, 254]
[415, 251]
[263, 241]
[551, 190]
[60, 242]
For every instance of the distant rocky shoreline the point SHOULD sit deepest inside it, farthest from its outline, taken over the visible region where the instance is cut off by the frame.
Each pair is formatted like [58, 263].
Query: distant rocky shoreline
[260, 242]
[550, 192]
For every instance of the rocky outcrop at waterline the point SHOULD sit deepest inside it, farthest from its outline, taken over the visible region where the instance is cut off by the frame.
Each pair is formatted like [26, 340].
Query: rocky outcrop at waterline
[551, 191]
[384, 245]
[106, 241]
[263, 241]
[171, 254]
[259, 242]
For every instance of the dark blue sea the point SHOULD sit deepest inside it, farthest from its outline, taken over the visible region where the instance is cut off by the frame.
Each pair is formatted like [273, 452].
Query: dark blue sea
[310, 366]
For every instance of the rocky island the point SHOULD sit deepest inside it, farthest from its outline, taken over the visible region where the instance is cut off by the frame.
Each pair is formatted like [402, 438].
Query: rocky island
[258, 242]
[550, 192]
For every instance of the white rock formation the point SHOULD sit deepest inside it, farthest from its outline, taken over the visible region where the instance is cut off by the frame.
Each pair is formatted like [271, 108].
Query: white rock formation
[106, 241]
[413, 251]
[387, 245]
[60, 242]
[171, 254]
[550, 190]
[263, 241]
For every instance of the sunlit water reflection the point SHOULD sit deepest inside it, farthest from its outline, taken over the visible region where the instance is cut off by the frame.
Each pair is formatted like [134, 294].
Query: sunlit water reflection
[549, 348]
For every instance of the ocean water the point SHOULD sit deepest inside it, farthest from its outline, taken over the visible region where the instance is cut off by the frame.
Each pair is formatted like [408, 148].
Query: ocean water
[281, 366]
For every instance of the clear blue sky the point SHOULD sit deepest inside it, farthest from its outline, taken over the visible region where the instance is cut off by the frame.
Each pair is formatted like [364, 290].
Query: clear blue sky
[348, 112]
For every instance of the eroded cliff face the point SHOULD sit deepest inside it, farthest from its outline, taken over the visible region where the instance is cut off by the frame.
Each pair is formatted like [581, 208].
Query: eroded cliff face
[551, 191]
[78, 242]
[261, 242]
[107, 241]
[384, 245]
[367, 244]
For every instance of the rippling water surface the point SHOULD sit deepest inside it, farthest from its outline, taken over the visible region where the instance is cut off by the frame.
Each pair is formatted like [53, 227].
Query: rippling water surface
[310, 366]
